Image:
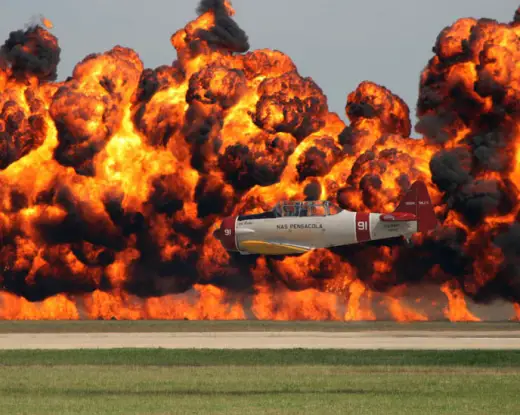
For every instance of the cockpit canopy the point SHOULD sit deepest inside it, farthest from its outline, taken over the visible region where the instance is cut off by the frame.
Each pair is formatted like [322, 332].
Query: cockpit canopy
[286, 209]
[307, 208]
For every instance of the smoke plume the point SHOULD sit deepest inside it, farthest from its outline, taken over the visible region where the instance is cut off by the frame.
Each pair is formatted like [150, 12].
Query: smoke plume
[113, 180]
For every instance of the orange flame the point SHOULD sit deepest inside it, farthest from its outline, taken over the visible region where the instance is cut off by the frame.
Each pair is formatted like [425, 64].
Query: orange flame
[47, 23]
[112, 181]
[457, 309]
[517, 311]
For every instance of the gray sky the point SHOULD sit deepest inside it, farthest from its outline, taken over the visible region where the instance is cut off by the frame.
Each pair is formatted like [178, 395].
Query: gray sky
[338, 43]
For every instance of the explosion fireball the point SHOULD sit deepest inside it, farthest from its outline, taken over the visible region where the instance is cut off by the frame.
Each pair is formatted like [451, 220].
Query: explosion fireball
[112, 181]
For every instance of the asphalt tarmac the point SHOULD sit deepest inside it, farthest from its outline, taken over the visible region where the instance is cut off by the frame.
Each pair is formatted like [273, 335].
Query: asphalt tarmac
[390, 340]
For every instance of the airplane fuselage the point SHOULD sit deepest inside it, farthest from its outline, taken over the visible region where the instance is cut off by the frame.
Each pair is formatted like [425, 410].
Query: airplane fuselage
[288, 235]
[298, 227]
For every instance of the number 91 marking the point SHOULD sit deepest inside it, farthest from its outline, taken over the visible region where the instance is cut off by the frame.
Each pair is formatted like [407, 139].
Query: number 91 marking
[362, 225]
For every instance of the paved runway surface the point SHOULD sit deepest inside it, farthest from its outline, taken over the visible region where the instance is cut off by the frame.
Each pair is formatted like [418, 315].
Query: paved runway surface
[268, 340]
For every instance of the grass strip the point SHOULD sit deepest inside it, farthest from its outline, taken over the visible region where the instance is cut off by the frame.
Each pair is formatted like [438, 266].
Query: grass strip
[262, 357]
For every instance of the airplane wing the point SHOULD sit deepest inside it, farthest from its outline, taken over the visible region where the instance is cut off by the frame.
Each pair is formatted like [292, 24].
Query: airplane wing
[274, 248]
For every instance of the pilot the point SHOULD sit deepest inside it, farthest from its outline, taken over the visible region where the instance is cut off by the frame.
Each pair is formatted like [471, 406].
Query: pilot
[278, 210]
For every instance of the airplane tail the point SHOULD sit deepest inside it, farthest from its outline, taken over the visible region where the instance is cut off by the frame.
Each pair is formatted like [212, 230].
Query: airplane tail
[417, 202]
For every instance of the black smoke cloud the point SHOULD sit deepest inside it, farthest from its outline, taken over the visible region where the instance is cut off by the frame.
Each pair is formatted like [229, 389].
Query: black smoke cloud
[226, 32]
[32, 51]
[458, 170]
[473, 169]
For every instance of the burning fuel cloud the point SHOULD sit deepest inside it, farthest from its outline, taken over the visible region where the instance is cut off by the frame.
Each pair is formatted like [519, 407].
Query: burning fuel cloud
[112, 181]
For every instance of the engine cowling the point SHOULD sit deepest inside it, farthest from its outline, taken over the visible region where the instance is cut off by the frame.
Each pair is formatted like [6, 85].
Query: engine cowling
[226, 234]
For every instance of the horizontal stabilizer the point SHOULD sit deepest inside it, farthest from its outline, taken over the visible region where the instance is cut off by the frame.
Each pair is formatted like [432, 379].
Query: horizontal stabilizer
[397, 217]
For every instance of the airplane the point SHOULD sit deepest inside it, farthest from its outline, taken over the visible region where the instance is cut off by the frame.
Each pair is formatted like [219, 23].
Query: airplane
[297, 227]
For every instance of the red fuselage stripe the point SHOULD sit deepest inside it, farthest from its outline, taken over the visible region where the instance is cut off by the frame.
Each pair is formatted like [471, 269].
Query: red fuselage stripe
[228, 233]
[362, 227]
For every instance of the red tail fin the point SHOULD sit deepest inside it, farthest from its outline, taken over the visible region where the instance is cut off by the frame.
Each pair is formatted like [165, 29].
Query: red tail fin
[417, 201]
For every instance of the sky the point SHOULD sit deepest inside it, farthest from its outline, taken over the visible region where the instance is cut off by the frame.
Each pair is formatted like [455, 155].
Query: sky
[338, 43]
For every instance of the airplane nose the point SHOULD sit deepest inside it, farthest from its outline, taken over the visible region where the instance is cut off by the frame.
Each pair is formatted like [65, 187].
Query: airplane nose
[226, 233]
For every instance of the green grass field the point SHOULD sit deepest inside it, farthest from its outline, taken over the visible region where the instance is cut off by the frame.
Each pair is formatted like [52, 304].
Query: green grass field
[130, 381]
[144, 326]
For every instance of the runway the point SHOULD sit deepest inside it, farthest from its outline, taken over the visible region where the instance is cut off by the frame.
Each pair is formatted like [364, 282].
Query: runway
[390, 340]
